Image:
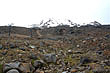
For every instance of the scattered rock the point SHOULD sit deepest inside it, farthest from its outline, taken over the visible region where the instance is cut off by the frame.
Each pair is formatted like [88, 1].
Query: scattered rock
[77, 46]
[74, 70]
[32, 47]
[38, 71]
[55, 49]
[84, 41]
[65, 72]
[107, 62]
[22, 49]
[42, 44]
[1, 46]
[12, 46]
[6, 48]
[99, 52]
[84, 61]
[42, 50]
[107, 36]
[26, 43]
[99, 70]
[70, 51]
[4, 52]
[78, 52]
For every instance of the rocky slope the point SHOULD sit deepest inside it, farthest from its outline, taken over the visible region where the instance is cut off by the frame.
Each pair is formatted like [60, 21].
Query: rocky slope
[61, 49]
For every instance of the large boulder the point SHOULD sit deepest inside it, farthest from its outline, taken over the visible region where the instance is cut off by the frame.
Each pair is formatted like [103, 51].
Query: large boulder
[9, 66]
[50, 58]
[13, 71]
[16, 67]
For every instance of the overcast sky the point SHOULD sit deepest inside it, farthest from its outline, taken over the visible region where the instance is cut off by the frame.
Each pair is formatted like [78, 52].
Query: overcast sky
[27, 12]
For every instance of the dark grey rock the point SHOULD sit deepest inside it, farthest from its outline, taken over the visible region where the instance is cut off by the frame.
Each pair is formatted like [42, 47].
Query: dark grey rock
[1, 46]
[38, 63]
[99, 52]
[22, 49]
[12, 45]
[78, 52]
[107, 62]
[33, 56]
[42, 50]
[55, 49]
[84, 61]
[4, 52]
[6, 48]
[42, 43]
[50, 58]
[107, 36]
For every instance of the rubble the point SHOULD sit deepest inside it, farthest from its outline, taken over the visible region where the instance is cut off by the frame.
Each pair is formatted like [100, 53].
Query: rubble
[62, 49]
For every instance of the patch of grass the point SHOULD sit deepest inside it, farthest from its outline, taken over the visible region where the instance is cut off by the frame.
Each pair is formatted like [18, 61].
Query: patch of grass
[71, 60]
[32, 62]
[1, 67]
[90, 71]
[107, 67]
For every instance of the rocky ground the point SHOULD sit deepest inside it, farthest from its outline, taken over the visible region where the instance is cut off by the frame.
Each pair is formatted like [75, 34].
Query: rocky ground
[85, 50]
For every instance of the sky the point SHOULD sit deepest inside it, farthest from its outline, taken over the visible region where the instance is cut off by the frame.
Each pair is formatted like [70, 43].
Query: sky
[28, 12]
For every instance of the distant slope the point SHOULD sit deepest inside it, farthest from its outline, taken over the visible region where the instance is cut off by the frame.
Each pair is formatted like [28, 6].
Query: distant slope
[59, 30]
[15, 30]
